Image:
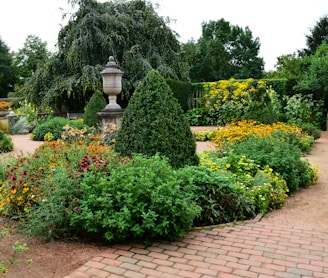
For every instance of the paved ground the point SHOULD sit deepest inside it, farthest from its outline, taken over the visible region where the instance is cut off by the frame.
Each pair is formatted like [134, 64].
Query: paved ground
[248, 249]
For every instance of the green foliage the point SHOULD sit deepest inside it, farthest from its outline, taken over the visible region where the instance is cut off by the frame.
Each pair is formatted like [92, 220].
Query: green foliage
[28, 110]
[182, 91]
[28, 59]
[287, 66]
[266, 189]
[62, 183]
[96, 103]
[220, 200]
[223, 51]
[131, 31]
[310, 129]
[6, 143]
[55, 126]
[260, 107]
[154, 123]
[233, 100]
[204, 135]
[301, 109]
[317, 36]
[7, 75]
[314, 79]
[79, 187]
[141, 199]
[280, 154]
[200, 117]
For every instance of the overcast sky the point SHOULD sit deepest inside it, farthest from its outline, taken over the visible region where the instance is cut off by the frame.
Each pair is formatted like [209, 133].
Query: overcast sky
[280, 25]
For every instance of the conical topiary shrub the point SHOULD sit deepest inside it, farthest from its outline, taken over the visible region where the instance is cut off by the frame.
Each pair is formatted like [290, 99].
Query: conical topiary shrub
[153, 122]
[96, 103]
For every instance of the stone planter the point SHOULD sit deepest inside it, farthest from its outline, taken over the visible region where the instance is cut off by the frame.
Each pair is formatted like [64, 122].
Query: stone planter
[4, 125]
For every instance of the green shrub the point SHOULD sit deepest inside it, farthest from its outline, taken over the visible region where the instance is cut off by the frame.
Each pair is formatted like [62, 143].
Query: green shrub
[96, 103]
[6, 143]
[142, 198]
[280, 155]
[220, 200]
[200, 117]
[204, 135]
[182, 91]
[75, 190]
[266, 188]
[302, 109]
[55, 126]
[153, 122]
[310, 129]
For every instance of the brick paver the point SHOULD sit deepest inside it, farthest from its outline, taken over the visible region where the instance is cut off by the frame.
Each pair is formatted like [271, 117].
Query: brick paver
[249, 249]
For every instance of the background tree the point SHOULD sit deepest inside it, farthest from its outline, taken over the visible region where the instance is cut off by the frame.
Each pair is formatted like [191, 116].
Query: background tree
[7, 74]
[131, 31]
[224, 51]
[287, 66]
[315, 79]
[319, 33]
[27, 60]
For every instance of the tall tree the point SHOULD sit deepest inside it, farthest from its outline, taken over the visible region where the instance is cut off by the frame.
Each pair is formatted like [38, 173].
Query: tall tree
[287, 66]
[131, 31]
[224, 51]
[27, 60]
[7, 75]
[319, 33]
[315, 79]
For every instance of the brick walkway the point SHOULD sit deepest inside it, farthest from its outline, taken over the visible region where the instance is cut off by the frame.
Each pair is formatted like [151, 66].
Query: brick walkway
[250, 249]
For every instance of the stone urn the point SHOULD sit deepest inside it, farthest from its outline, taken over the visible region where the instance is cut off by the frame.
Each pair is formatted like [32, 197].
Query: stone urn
[112, 83]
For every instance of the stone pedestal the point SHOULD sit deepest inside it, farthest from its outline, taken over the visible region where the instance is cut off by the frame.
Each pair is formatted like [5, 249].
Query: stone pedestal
[111, 116]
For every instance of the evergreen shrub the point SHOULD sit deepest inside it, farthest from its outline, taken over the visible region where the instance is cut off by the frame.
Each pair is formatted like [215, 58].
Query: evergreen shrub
[153, 122]
[96, 103]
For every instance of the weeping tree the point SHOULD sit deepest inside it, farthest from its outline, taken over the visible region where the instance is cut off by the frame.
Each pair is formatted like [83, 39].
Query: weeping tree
[131, 31]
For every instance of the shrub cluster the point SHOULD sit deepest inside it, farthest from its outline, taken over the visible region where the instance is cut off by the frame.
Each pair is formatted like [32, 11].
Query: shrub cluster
[278, 146]
[55, 127]
[80, 187]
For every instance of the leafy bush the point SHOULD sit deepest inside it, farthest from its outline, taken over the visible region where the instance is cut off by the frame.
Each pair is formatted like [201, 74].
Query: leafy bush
[311, 130]
[302, 109]
[63, 184]
[54, 126]
[200, 117]
[280, 155]
[6, 143]
[153, 122]
[140, 199]
[96, 103]
[204, 135]
[234, 100]
[220, 200]
[266, 188]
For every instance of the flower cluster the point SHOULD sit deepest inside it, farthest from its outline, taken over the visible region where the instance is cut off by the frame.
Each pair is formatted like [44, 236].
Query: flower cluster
[242, 130]
[4, 105]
